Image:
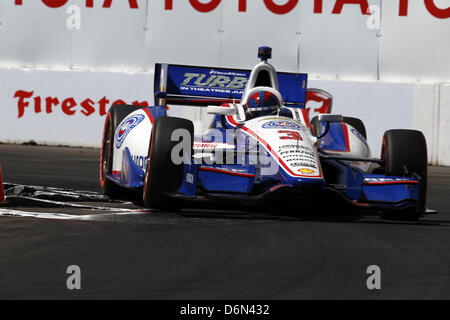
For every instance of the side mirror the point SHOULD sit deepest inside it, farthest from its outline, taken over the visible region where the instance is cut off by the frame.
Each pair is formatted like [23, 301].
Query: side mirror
[241, 116]
[233, 110]
[331, 118]
[328, 118]
[223, 111]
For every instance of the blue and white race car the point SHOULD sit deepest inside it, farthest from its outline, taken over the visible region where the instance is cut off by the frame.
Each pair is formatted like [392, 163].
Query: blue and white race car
[258, 146]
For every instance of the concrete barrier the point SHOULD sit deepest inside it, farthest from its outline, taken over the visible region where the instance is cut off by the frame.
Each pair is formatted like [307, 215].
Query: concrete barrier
[384, 61]
[68, 107]
[65, 107]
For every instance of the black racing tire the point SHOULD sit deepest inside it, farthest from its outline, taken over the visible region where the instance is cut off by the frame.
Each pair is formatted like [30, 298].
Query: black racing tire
[114, 117]
[357, 124]
[163, 175]
[404, 153]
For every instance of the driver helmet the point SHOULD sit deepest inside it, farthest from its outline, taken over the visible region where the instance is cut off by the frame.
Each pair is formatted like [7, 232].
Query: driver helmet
[262, 101]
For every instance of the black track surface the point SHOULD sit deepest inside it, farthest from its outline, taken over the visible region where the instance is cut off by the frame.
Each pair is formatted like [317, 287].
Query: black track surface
[213, 254]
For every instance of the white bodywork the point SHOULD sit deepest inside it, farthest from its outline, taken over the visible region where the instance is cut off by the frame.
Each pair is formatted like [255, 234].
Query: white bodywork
[137, 141]
[358, 149]
[289, 142]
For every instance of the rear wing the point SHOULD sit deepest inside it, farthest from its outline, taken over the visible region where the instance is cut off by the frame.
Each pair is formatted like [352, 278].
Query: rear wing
[202, 86]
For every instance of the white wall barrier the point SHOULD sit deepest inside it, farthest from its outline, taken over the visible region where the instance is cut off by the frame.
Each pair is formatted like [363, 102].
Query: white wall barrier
[65, 107]
[381, 106]
[69, 107]
[384, 61]
[444, 126]
[396, 40]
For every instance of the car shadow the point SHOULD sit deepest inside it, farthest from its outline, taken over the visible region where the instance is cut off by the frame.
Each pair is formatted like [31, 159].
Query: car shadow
[304, 215]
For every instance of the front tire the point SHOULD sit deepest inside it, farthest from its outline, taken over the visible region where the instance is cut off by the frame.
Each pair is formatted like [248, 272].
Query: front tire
[113, 119]
[163, 175]
[404, 153]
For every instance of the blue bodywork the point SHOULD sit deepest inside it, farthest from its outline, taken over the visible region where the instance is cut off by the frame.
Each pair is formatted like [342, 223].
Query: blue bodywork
[189, 83]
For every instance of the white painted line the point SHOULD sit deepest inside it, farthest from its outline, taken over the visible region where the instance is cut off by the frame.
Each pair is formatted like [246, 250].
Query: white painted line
[63, 216]
[68, 204]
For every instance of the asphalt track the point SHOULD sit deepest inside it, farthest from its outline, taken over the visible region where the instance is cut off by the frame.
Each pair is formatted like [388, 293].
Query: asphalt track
[207, 254]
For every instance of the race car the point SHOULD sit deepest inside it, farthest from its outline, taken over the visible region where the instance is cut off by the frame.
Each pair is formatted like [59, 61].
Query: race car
[257, 146]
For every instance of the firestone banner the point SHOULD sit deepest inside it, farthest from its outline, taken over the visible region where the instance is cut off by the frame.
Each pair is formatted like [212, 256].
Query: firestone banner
[58, 107]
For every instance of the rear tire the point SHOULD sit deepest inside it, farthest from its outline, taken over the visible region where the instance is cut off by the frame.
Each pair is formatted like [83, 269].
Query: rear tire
[404, 153]
[114, 117]
[163, 175]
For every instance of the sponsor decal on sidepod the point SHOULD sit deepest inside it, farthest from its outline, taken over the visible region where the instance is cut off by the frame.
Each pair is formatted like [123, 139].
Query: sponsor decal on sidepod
[126, 127]
[307, 171]
[281, 125]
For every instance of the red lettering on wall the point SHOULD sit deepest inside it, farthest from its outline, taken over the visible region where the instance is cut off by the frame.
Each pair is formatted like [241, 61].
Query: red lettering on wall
[133, 4]
[88, 107]
[403, 8]
[210, 5]
[436, 11]
[68, 106]
[54, 3]
[362, 3]
[242, 5]
[89, 3]
[22, 104]
[318, 6]
[49, 103]
[205, 7]
[281, 9]
[37, 105]
[103, 103]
